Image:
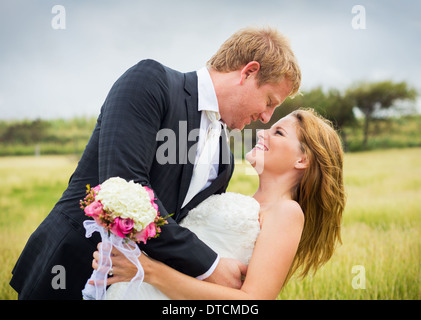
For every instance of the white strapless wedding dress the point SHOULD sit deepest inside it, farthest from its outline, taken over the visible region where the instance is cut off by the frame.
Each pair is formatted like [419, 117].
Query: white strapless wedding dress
[228, 223]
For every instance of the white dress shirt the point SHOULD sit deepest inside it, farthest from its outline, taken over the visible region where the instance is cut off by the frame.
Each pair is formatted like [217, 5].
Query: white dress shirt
[207, 101]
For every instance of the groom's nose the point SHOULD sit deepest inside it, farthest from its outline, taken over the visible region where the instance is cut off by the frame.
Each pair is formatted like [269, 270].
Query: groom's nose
[265, 116]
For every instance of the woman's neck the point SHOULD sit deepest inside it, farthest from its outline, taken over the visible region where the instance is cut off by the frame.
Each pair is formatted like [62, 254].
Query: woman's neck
[274, 188]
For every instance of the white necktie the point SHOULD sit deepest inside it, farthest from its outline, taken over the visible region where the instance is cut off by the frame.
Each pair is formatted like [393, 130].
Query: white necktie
[203, 166]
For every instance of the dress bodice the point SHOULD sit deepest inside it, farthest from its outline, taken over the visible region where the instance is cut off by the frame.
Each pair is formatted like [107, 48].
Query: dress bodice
[228, 223]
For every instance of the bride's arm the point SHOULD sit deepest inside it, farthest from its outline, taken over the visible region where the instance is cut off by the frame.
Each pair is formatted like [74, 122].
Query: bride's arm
[272, 257]
[178, 286]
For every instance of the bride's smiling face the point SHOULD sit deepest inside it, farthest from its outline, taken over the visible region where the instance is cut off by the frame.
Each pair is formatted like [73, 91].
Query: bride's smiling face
[278, 149]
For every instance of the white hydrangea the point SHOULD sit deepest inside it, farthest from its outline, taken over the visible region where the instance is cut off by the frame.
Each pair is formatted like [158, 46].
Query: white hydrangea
[127, 200]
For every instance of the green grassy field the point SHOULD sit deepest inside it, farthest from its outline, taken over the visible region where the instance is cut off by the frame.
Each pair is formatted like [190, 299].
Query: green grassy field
[379, 257]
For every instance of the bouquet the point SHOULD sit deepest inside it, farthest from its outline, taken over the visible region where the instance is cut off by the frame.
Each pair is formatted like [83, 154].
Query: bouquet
[124, 213]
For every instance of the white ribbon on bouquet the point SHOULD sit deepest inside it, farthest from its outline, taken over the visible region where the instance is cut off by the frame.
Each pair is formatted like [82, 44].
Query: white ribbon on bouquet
[98, 290]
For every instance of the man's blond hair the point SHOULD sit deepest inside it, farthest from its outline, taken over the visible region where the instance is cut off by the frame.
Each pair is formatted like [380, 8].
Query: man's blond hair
[265, 45]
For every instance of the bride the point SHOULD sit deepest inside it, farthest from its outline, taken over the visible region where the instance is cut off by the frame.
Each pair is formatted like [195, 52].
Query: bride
[292, 222]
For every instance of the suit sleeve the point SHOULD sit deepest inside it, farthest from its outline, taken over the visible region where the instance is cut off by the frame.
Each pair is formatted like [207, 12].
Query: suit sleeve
[130, 119]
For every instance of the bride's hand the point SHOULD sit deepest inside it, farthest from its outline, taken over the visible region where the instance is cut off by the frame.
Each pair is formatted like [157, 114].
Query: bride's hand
[122, 268]
[229, 273]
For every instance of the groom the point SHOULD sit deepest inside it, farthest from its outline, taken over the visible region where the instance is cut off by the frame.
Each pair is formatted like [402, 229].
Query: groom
[251, 74]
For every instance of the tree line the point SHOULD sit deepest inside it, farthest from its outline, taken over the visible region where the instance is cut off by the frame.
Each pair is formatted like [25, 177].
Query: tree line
[354, 109]
[371, 100]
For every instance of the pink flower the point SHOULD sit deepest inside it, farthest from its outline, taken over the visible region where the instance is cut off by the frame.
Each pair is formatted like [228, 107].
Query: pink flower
[152, 196]
[97, 188]
[122, 227]
[150, 192]
[155, 206]
[148, 232]
[94, 209]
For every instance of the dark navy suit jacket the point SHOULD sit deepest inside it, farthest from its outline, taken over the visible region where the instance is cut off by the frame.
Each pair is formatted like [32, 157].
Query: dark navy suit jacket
[127, 138]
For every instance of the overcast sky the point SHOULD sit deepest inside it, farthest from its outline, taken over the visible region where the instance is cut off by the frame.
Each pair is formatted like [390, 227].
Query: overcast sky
[57, 73]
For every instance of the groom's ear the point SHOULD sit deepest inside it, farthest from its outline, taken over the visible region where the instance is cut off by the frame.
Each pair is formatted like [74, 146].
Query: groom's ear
[250, 69]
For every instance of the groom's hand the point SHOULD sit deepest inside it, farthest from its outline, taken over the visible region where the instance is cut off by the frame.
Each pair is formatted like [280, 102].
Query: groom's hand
[229, 272]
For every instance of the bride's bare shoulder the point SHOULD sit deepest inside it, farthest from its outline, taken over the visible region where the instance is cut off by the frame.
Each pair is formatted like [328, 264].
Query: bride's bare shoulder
[285, 213]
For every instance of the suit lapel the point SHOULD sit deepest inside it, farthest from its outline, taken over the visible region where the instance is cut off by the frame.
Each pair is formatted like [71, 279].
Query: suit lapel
[193, 122]
[224, 152]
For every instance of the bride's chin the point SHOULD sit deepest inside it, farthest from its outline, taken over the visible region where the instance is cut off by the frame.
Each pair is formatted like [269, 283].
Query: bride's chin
[250, 157]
